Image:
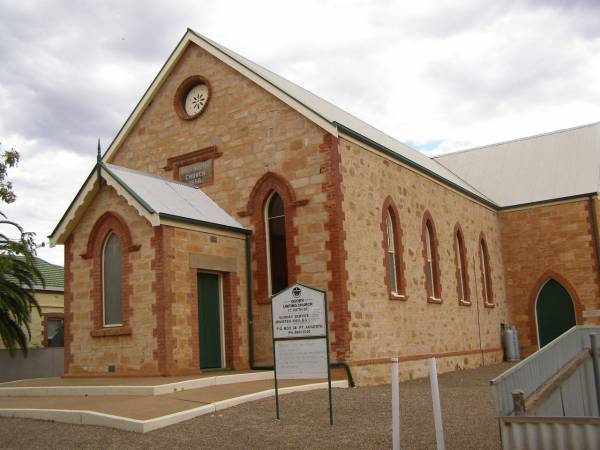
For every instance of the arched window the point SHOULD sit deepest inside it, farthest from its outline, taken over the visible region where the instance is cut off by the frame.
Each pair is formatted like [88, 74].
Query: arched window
[391, 254]
[111, 281]
[392, 246]
[486, 276]
[276, 247]
[462, 280]
[432, 271]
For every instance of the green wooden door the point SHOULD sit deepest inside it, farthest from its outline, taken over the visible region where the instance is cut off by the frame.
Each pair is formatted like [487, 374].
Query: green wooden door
[209, 321]
[555, 311]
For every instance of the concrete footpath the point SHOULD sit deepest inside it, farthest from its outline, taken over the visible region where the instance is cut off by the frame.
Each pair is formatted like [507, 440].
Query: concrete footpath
[139, 412]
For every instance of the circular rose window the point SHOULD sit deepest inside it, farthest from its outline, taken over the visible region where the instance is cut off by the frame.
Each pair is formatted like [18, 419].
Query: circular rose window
[192, 97]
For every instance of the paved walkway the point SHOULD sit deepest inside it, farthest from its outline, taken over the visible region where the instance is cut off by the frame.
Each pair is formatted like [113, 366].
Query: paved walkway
[116, 381]
[146, 407]
[362, 420]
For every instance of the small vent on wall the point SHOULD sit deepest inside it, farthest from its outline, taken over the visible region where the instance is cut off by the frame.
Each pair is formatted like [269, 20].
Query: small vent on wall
[213, 239]
[111, 368]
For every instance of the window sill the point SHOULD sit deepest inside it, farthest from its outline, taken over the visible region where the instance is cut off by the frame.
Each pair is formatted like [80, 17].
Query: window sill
[397, 297]
[434, 300]
[112, 331]
[464, 303]
[489, 305]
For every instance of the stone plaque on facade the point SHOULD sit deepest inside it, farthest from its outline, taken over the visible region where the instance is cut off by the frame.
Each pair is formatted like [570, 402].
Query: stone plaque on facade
[197, 173]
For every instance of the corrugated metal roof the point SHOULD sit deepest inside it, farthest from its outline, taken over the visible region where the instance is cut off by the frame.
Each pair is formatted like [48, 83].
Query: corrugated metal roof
[173, 198]
[554, 165]
[335, 115]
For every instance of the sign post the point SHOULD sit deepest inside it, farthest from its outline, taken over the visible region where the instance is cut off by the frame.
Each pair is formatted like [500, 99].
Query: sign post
[300, 337]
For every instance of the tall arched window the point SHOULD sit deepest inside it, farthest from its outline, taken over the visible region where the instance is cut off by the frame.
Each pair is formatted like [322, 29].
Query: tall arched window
[391, 254]
[486, 276]
[111, 281]
[276, 247]
[462, 280]
[430, 254]
[392, 247]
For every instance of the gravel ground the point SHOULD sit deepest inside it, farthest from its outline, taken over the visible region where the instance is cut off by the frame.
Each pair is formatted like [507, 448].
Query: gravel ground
[362, 420]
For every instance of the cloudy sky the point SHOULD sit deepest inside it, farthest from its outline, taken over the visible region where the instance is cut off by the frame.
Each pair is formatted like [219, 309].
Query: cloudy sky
[438, 75]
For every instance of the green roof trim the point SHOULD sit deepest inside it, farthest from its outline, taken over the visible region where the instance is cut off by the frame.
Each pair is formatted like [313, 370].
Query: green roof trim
[216, 226]
[549, 200]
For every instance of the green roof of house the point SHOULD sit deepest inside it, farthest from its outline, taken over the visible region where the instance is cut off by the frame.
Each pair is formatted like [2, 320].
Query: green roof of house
[54, 276]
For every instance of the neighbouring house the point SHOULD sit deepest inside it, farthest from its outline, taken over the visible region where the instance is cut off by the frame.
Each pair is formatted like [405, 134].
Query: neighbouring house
[47, 328]
[228, 183]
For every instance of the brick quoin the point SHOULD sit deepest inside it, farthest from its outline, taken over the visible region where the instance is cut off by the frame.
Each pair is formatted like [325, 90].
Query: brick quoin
[336, 265]
[160, 308]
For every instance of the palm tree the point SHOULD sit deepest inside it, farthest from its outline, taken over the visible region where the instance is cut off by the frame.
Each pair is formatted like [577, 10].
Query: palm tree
[18, 273]
[18, 278]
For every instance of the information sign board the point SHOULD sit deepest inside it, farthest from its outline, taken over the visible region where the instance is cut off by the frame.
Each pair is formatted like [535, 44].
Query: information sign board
[300, 337]
[299, 312]
[301, 359]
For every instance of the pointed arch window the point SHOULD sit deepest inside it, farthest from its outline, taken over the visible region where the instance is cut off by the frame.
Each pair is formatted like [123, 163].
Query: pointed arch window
[430, 255]
[486, 276]
[392, 246]
[391, 255]
[276, 244]
[462, 277]
[111, 282]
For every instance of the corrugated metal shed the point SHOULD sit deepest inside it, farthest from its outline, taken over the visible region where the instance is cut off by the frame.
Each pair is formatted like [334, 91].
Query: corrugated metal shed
[336, 115]
[549, 166]
[173, 198]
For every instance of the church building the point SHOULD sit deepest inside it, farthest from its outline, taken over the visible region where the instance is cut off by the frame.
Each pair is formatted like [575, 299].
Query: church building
[228, 183]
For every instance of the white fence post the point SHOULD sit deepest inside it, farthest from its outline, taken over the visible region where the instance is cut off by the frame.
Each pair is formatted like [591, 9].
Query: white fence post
[395, 406]
[437, 409]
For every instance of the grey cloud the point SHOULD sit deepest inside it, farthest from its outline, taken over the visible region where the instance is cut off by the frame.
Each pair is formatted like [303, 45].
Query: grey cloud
[51, 50]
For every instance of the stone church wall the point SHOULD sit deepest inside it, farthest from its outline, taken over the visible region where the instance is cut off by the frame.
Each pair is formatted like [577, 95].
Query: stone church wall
[254, 134]
[413, 328]
[130, 349]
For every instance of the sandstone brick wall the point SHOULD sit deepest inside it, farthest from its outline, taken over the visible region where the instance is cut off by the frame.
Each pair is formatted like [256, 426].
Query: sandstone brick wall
[546, 241]
[414, 328]
[182, 296]
[132, 353]
[256, 133]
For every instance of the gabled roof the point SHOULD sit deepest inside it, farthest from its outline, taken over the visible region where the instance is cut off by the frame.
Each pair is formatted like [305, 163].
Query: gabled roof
[556, 165]
[157, 199]
[323, 113]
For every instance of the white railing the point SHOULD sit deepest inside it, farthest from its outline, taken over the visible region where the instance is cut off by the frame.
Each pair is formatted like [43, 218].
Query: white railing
[578, 393]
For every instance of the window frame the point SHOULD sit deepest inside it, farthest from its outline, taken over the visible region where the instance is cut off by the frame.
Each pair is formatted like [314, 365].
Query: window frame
[431, 260]
[268, 240]
[462, 268]
[486, 273]
[47, 316]
[102, 257]
[390, 211]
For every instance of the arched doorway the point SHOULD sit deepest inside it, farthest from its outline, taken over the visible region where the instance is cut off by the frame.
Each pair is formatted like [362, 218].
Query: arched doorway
[555, 312]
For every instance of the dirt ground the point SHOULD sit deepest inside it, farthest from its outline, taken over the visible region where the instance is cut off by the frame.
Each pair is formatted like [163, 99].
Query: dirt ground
[362, 420]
